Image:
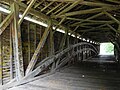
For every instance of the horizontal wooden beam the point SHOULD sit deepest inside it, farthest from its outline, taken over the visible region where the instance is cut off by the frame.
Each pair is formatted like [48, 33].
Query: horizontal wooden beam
[114, 1]
[38, 14]
[112, 17]
[94, 28]
[88, 11]
[91, 23]
[44, 17]
[77, 19]
[88, 3]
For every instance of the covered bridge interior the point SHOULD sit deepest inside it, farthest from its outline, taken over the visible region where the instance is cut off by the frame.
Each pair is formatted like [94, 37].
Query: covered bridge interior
[55, 44]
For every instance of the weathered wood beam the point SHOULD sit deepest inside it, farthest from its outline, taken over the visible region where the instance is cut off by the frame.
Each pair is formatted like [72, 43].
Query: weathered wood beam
[112, 28]
[29, 49]
[90, 23]
[36, 13]
[6, 22]
[112, 17]
[38, 49]
[62, 44]
[1, 63]
[92, 17]
[46, 6]
[61, 8]
[114, 1]
[94, 28]
[49, 60]
[17, 46]
[118, 28]
[95, 10]
[26, 11]
[98, 23]
[11, 52]
[54, 8]
[88, 3]
[38, 4]
[51, 47]
[57, 26]
[77, 19]
[70, 7]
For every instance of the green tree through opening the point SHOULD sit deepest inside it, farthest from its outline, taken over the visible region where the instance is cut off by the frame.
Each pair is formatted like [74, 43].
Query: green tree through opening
[106, 48]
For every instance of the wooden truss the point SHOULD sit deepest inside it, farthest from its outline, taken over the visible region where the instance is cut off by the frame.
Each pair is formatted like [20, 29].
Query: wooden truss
[57, 14]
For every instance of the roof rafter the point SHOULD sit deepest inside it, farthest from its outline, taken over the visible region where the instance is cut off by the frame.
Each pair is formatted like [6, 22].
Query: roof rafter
[88, 11]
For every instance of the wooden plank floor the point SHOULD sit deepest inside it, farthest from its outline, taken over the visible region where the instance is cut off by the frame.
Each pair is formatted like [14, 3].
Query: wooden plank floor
[99, 73]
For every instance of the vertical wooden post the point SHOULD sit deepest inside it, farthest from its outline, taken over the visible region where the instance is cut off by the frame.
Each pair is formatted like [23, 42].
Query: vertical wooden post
[51, 43]
[0, 54]
[17, 46]
[28, 41]
[35, 41]
[62, 44]
[51, 47]
[11, 52]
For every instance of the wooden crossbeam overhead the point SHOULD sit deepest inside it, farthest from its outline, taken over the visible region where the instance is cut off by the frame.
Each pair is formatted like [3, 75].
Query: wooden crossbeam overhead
[61, 8]
[41, 15]
[94, 28]
[37, 14]
[77, 19]
[26, 11]
[84, 3]
[38, 4]
[46, 6]
[70, 7]
[88, 11]
[114, 1]
[91, 23]
[113, 18]
[54, 8]
[89, 18]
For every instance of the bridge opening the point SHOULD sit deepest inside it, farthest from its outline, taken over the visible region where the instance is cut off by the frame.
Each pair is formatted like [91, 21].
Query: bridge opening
[106, 49]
